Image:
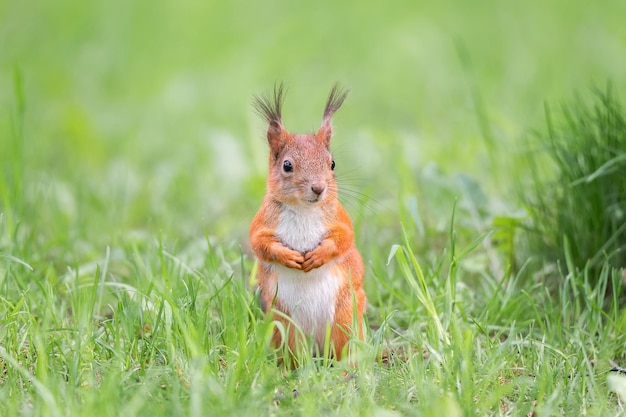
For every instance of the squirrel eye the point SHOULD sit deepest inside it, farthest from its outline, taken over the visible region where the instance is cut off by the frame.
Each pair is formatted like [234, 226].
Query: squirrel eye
[332, 165]
[287, 167]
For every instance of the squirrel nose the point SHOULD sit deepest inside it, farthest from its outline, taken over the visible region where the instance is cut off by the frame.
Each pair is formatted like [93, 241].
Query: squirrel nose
[318, 188]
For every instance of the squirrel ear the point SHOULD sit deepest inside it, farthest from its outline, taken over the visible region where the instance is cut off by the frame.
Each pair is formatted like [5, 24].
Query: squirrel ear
[270, 109]
[335, 100]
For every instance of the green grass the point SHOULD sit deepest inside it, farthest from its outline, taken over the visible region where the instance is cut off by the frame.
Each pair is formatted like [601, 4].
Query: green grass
[131, 163]
[578, 198]
[152, 330]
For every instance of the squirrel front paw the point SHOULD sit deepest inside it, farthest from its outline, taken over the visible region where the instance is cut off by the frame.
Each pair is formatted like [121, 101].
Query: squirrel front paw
[318, 256]
[289, 258]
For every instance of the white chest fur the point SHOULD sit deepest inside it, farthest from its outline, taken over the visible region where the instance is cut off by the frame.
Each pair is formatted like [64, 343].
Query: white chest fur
[301, 229]
[310, 297]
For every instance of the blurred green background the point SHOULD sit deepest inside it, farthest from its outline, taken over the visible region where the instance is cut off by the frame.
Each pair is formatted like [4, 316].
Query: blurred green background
[137, 119]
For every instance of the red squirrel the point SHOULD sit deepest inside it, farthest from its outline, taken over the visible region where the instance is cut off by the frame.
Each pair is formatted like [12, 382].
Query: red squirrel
[309, 268]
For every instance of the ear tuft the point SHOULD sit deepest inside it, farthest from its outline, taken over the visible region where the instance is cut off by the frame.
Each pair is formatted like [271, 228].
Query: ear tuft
[270, 108]
[335, 100]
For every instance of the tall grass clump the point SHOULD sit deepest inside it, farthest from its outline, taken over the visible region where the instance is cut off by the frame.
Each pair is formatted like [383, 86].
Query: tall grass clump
[577, 195]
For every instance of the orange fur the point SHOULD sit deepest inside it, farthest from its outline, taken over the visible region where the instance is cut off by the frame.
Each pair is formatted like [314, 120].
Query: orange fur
[309, 267]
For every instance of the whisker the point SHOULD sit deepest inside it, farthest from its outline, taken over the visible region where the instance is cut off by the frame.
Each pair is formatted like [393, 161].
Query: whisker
[357, 199]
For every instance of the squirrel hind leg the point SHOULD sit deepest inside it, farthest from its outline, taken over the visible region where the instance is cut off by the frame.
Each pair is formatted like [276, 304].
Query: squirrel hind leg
[290, 343]
[344, 322]
[258, 294]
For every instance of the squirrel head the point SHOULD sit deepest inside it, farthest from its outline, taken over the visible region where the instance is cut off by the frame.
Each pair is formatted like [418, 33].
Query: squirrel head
[301, 169]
